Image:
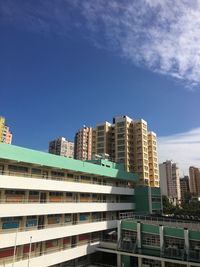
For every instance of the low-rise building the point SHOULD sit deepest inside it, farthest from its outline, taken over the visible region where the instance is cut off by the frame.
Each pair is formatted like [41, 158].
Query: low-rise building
[146, 241]
[55, 211]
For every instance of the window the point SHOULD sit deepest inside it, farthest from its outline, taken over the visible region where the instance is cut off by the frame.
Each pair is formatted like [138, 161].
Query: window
[15, 168]
[150, 239]
[36, 171]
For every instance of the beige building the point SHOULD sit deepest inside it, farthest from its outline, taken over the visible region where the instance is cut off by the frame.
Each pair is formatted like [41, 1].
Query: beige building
[83, 144]
[62, 147]
[5, 134]
[194, 181]
[102, 142]
[170, 181]
[128, 141]
[153, 159]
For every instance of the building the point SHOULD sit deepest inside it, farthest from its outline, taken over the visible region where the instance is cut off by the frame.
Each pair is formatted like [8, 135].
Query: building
[146, 241]
[83, 144]
[184, 186]
[194, 181]
[55, 211]
[5, 134]
[102, 142]
[62, 147]
[170, 181]
[128, 141]
[2, 125]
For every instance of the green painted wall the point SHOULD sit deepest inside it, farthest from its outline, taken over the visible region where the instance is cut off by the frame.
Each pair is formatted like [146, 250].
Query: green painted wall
[141, 200]
[129, 225]
[174, 232]
[194, 235]
[156, 206]
[155, 191]
[150, 228]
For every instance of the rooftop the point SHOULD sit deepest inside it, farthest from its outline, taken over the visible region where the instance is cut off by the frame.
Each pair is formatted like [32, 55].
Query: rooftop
[20, 154]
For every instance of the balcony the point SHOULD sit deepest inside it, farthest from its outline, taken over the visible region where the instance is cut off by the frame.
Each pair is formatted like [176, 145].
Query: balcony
[51, 256]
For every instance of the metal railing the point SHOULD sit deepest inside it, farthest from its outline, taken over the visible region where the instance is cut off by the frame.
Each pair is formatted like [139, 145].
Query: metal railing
[63, 200]
[60, 224]
[195, 225]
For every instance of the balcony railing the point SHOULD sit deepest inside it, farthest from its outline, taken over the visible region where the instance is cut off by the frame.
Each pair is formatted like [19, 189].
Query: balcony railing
[64, 179]
[47, 226]
[62, 200]
[33, 254]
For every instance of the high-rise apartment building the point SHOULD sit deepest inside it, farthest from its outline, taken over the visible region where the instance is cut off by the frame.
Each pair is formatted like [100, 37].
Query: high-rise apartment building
[194, 181]
[2, 125]
[170, 181]
[102, 144]
[128, 141]
[184, 186]
[83, 144]
[5, 134]
[153, 159]
[62, 147]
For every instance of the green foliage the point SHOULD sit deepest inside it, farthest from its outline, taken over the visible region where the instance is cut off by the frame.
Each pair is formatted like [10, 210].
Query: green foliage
[168, 208]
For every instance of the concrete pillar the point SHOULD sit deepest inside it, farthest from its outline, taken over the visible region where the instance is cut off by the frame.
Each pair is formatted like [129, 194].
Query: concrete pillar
[118, 240]
[119, 260]
[186, 239]
[161, 228]
[162, 264]
[6, 168]
[118, 230]
[139, 262]
[139, 243]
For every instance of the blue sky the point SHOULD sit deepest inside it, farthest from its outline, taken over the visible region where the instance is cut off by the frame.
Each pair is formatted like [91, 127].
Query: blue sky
[65, 64]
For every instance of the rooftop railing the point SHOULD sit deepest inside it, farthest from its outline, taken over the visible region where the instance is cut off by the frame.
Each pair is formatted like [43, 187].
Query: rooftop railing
[194, 225]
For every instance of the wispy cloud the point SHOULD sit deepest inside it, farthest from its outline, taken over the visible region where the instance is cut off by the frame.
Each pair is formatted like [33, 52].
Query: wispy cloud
[182, 148]
[161, 35]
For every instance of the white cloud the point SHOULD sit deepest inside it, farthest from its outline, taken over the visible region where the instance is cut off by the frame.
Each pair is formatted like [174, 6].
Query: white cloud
[183, 148]
[162, 35]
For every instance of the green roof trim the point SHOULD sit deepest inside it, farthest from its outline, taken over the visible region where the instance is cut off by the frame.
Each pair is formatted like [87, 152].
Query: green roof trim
[25, 155]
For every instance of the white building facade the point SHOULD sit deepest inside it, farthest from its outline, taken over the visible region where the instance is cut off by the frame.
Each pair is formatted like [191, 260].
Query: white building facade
[170, 181]
[55, 209]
